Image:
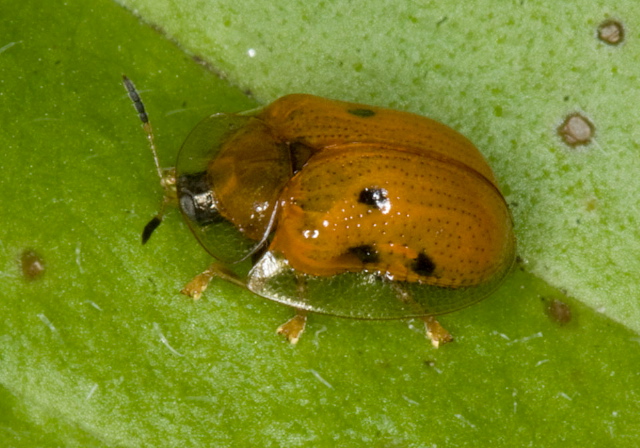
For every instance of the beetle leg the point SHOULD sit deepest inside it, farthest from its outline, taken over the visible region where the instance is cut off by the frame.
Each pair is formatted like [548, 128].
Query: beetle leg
[436, 332]
[198, 285]
[293, 328]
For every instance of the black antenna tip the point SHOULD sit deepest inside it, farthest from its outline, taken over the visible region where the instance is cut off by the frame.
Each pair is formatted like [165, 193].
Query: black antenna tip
[150, 227]
[128, 84]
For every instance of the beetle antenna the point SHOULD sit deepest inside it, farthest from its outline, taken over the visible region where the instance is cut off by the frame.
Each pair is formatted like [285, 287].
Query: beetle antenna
[167, 178]
[144, 118]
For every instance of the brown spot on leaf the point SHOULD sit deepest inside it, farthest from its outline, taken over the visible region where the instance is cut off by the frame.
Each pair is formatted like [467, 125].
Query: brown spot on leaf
[611, 32]
[33, 265]
[576, 130]
[558, 311]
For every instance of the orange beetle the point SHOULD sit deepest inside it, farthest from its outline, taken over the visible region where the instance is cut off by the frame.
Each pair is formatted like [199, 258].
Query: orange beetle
[346, 209]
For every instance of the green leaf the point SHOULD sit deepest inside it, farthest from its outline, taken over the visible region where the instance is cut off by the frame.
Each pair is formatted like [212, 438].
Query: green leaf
[102, 350]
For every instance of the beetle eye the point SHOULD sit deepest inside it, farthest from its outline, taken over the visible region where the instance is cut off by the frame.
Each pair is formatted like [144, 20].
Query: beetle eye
[196, 198]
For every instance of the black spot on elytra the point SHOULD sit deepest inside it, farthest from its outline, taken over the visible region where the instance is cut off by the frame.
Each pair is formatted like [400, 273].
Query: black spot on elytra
[374, 197]
[365, 253]
[423, 265]
[362, 113]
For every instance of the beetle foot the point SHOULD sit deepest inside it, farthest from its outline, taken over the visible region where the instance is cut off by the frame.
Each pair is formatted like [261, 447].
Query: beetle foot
[198, 285]
[293, 328]
[436, 332]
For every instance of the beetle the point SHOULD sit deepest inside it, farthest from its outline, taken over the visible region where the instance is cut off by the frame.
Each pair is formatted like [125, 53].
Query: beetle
[344, 209]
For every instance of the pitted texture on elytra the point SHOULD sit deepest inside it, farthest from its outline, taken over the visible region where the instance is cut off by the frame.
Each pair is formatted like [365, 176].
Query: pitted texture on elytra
[320, 123]
[443, 224]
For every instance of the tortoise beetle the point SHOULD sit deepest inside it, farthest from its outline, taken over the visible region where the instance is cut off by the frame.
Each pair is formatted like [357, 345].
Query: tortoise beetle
[345, 209]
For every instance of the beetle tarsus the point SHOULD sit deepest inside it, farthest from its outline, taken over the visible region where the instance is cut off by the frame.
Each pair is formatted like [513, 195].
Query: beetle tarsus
[436, 332]
[197, 286]
[294, 327]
